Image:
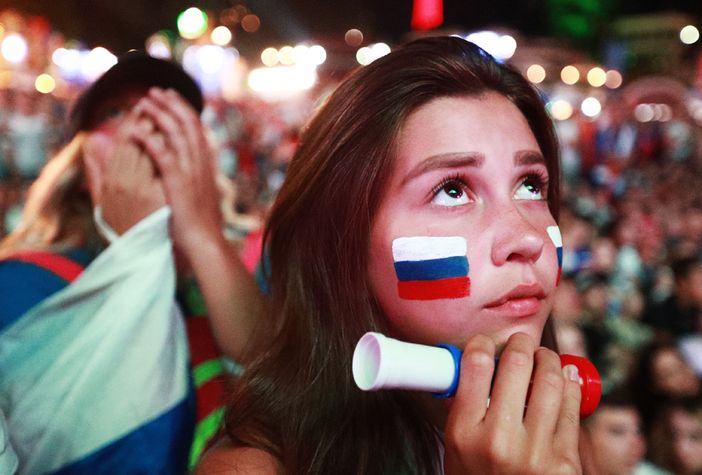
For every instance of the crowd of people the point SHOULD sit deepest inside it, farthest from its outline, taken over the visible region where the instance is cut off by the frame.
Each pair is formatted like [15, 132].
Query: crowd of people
[629, 293]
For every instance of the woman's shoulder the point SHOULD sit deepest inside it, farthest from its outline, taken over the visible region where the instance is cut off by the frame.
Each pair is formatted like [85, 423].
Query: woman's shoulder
[230, 460]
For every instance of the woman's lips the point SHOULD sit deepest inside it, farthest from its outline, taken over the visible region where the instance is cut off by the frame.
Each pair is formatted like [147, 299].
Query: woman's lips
[521, 301]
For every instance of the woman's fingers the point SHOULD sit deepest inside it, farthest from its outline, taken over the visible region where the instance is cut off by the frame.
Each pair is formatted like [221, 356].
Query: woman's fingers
[473, 393]
[568, 426]
[522, 430]
[180, 124]
[511, 385]
[546, 396]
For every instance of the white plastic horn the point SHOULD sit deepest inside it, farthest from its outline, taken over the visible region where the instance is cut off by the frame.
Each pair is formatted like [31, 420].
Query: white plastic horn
[380, 362]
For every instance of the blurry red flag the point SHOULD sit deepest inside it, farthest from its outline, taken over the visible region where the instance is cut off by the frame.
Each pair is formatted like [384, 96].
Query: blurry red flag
[427, 14]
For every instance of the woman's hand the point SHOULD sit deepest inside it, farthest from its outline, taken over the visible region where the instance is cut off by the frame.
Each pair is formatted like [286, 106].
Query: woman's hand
[186, 162]
[504, 437]
[121, 177]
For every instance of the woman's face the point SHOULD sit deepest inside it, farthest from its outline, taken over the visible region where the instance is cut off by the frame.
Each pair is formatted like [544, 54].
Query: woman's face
[108, 116]
[687, 440]
[470, 189]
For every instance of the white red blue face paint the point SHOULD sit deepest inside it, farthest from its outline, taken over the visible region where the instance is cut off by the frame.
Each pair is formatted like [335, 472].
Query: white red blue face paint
[555, 234]
[431, 267]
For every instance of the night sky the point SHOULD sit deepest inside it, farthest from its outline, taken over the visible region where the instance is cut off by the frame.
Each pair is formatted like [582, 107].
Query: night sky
[124, 24]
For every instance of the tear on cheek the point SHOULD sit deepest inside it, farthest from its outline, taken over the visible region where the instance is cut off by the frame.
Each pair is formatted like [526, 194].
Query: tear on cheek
[431, 267]
[555, 234]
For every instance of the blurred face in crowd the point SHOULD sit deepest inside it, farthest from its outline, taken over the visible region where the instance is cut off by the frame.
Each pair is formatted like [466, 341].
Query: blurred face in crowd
[687, 440]
[106, 119]
[596, 299]
[690, 287]
[469, 169]
[618, 445]
[672, 375]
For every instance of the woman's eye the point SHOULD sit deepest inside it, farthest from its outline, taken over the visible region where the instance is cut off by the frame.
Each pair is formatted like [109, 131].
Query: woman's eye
[450, 193]
[532, 188]
[114, 113]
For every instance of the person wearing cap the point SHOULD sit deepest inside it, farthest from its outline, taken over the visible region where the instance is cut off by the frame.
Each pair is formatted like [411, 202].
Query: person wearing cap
[138, 154]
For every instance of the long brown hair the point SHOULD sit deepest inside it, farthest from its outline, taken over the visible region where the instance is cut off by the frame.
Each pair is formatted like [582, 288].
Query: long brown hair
[297, 400]
[58, 213]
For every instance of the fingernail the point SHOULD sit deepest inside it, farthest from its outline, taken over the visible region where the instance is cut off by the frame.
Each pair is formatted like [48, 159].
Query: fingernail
[571, 372]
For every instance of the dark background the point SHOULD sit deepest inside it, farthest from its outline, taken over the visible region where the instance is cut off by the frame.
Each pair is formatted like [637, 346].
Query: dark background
[123, 24]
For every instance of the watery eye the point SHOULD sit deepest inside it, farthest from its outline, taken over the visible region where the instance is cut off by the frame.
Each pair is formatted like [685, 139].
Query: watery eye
[532, 188]
[450, 193]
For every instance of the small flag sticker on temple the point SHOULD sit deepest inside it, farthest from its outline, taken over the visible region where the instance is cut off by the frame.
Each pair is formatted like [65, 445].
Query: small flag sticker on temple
[555, 234]
[431, 267]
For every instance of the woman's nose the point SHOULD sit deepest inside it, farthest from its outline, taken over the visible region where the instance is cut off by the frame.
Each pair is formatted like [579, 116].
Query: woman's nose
[516, 239]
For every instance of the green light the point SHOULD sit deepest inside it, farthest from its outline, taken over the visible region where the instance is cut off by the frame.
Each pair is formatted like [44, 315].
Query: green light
[192, 23]
[577, 20]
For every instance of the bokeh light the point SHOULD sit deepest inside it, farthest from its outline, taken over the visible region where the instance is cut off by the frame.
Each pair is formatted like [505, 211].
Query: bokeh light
[210, 58]
[251, 23]
[614, 79]
[560, 109]
[68, 61]
[536, 73]
[269, 56]
[354, 37]
[96, 62]
[281, 81]
[502, 47]
[644, 113]
[570, 75]
[14, 48]
[158, 45]
[591, 107]
[368, 54]
[301, 54]
[192, 23]
[286, 55]
[596, 77]
[689, 34]
[221, 35]
[45, 83]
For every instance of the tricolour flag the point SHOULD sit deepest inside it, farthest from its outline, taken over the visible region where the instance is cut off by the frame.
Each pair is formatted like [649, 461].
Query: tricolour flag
[431, 267]
[555, 234]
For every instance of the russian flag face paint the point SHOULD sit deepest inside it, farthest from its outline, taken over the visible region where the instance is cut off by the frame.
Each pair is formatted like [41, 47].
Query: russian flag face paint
[555, 234]
[431, 267]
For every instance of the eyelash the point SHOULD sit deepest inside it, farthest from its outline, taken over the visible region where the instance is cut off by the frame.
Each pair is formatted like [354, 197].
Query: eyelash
[452, 179]
[538, 178]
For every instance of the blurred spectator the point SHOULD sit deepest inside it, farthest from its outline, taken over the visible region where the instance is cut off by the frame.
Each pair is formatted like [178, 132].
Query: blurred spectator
[6, 165]
[28, 133]
[676, 442]
[595, 295]
[661, 375]
[627, 335]
[614, 442]
[679, 314]
[567, 311]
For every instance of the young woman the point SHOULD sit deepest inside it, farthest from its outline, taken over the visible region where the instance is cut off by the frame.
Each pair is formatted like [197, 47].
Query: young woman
[435, 142]
[139, 145]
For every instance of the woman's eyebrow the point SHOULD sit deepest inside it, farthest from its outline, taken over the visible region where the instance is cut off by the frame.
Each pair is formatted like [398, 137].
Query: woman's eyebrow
[445, 160]
[529, 157]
